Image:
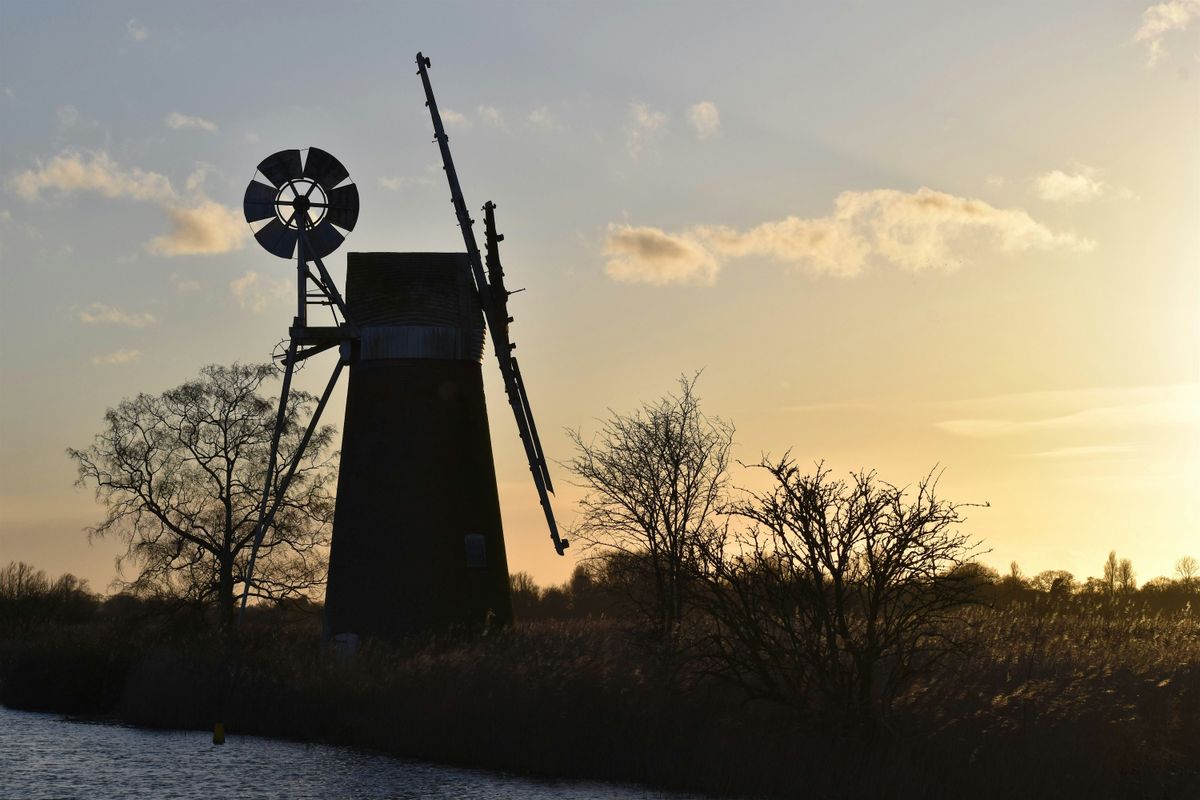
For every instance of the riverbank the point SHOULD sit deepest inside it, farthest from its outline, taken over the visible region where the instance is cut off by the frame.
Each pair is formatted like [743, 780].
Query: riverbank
[566, 700]
[1048, 705]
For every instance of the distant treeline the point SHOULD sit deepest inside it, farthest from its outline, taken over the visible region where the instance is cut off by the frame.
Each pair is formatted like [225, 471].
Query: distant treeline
[601, 588]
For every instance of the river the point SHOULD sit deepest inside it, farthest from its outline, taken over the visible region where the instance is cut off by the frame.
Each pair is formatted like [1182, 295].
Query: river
[49, 756]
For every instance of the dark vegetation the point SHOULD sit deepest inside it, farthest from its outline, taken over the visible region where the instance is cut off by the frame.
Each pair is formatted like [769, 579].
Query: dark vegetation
[182, 473]
[1079, 694]
[815, 637]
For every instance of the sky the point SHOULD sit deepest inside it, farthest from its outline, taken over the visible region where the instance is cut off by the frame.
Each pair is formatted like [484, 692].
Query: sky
[893, 236]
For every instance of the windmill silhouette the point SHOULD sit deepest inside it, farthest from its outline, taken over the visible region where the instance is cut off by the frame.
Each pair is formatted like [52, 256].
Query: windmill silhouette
[417, 541]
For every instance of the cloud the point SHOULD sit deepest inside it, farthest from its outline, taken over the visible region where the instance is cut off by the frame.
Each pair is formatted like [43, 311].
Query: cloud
[543, 117]
[183, 285]
[642, 127]
[401, 181]
[916, 231]
[199, 226]
[10, 94]
[253, 292]
[455, 119]
[202, 229]
[995, 181]
[491, 116]
[648, 255]
[1092, 409]
[1079, 186]
[705, 119]
[180, 122]
[1061, 187]
[117, 357]
[137, 31]
[71, 172]
[1160, 20]
[100, 313]
[1082, 451]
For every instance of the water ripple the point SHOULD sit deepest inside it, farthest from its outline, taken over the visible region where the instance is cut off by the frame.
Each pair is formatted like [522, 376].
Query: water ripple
[45, 756]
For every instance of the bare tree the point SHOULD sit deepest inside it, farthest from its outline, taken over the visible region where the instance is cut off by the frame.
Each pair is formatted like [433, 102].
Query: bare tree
[20, 581]
[526, 595]
[29, 598]
[1187, 568]
[1126, 578]
[1054, 581]
[839, 593]
[654, 480]
[181, 475]
[1112, 572]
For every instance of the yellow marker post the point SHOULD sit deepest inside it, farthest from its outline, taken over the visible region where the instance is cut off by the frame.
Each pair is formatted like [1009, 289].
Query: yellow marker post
[219, 733]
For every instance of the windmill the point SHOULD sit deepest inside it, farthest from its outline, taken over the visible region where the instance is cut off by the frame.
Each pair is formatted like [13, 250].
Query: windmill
[417, 538]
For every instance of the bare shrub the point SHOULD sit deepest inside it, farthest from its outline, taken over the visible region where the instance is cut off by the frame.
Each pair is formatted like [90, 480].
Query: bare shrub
[839, 593]
[654, 482]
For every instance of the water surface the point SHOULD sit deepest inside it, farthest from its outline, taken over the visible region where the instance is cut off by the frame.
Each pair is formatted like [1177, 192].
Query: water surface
[48, 756]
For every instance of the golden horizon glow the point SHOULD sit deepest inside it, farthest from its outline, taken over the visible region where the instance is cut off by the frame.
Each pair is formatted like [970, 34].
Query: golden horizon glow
[892, 238]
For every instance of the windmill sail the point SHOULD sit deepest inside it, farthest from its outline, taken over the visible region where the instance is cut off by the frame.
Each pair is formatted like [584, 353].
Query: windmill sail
[497, 323]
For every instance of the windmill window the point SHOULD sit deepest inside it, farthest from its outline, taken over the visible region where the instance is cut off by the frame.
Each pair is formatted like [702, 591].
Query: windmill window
[476, 550]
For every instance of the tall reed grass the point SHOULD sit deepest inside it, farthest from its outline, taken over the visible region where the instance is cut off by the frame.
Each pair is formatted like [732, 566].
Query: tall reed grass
[1067, 699]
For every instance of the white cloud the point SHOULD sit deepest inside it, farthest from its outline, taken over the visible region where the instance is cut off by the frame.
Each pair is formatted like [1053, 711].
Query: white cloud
[705, 119]
[10, 94]
[455, 119]
[491, 116]
[202, 229]
[100, 313]
[179, 122]
[195, 181]
[995, 181]
[254, 292]
[543, 117]
[1094, 409]
[199, 225]
[1162, 19]
[915, 231]
[251, 138]
[71, 171]
[400, 181]
[117, 357]
[648, 255]
[1079, 186]
[642, 127]
[137, 31]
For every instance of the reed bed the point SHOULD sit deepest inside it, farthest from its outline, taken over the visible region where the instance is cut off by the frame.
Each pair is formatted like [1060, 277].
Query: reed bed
[1075, 698]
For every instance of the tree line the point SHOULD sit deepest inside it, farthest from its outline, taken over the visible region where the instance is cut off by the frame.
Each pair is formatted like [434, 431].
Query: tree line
[830, 594]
